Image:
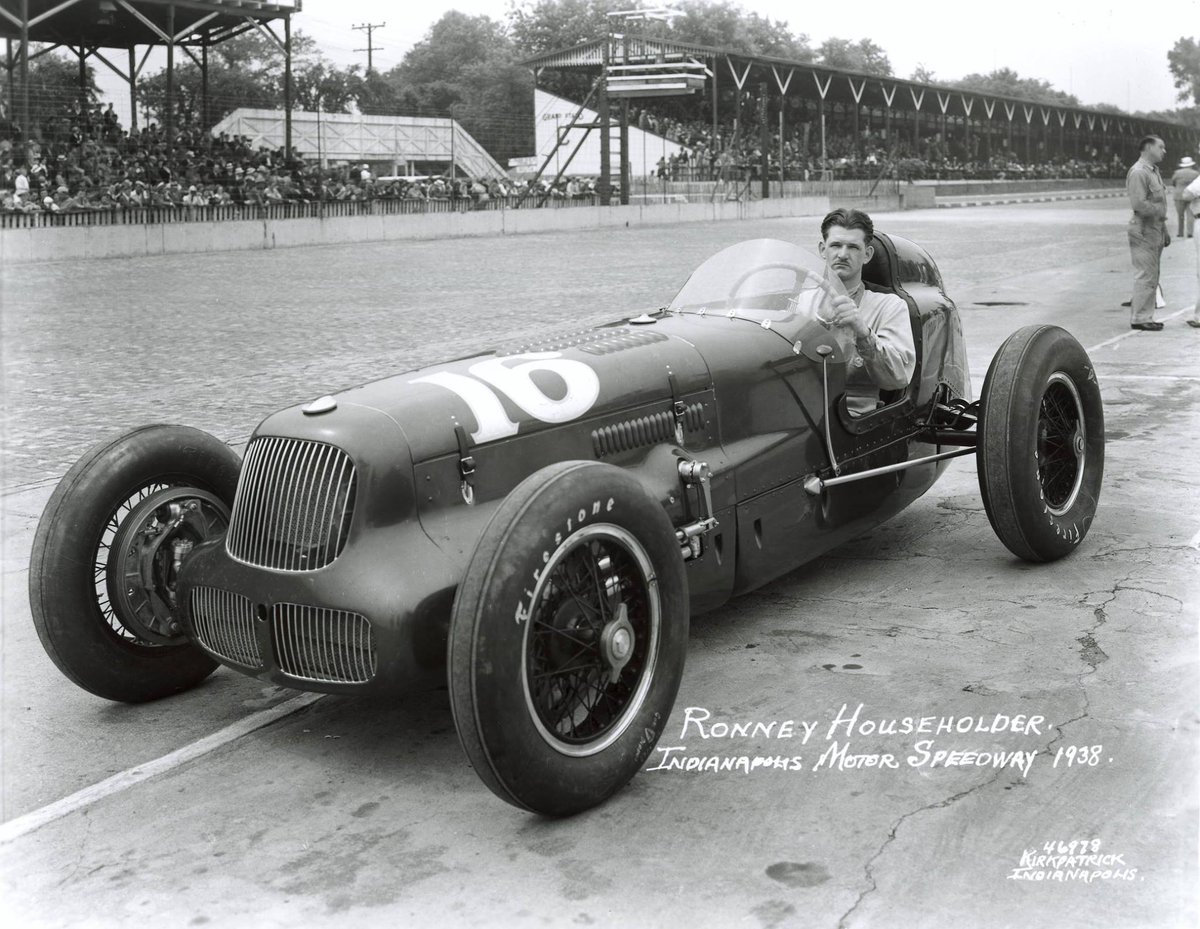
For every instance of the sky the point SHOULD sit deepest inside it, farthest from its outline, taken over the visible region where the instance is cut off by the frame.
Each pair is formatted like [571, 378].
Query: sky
[1099, 51]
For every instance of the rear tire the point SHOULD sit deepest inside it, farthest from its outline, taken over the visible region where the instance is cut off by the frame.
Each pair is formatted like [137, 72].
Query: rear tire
[103, 622]
[1041, 443]
[568, 638]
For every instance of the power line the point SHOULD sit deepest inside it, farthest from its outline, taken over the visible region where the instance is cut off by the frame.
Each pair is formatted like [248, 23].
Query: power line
[369, 28]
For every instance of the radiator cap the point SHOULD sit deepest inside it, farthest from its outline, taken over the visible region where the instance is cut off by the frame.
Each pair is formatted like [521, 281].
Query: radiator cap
[319, 406]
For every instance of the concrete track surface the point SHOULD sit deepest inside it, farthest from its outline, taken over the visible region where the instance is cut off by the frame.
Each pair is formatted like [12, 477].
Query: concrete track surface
[238, 805]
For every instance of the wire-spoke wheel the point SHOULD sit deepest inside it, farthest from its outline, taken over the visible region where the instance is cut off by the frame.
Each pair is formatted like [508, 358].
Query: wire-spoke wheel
[568, 638]
[1041, 443]
[1061, 444]
[591, 639]
[107, 553]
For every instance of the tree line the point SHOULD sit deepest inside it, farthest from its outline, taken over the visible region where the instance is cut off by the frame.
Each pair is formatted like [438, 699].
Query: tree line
[468, 68]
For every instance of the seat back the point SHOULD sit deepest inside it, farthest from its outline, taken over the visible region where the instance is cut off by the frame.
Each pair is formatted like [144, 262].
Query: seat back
[882, 275]
[881, 270]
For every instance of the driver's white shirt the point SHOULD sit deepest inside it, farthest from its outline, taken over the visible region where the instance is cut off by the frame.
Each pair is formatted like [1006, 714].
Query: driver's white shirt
[887, 358]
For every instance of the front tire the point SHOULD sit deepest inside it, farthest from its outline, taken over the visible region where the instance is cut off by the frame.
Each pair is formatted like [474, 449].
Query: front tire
[568, 638]
[1041, 443]
[102, 569]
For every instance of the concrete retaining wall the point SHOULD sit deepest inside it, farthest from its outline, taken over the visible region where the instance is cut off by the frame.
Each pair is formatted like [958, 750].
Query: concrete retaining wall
[22, 246]
[19, 246]
[971, 188]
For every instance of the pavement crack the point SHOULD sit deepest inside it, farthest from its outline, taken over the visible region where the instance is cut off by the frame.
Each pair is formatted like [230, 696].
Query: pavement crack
[868, 868]
[1092, 654]
[1102, 552]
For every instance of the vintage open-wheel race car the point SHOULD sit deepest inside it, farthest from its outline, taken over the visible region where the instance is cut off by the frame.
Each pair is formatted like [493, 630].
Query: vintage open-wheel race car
[537, 523]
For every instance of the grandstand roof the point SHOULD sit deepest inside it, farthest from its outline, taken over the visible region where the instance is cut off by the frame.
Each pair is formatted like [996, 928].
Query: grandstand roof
[126, 23]
[838, 85]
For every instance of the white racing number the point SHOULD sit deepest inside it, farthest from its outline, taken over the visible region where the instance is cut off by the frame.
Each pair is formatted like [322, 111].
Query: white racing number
[499, 376]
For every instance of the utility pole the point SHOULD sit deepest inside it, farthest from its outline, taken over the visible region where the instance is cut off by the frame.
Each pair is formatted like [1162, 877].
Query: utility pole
[369, 28]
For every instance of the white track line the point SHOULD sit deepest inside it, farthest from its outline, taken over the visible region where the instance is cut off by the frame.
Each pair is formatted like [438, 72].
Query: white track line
[23, 825]
[1132, 332]
[1151, 377]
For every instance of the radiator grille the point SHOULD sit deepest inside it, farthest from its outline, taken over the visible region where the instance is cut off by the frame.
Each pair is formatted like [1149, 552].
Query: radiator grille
[317, 644]
[224, 624]
[293, 505]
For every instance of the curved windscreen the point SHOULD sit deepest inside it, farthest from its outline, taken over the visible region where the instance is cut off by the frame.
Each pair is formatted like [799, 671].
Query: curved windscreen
[775, 284]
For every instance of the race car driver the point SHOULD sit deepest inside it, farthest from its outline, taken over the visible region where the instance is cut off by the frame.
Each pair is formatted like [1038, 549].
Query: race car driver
[884, 356]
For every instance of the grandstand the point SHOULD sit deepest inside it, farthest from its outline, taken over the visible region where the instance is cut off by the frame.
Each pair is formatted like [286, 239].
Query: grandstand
[391, 144]
[92, 29]
[767, 95]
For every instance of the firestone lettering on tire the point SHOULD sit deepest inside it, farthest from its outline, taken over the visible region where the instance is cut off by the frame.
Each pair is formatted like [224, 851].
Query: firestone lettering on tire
[597, 508]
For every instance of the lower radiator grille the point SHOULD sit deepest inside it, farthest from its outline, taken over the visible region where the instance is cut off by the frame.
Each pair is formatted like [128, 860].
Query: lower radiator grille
[317, 644]
[224, 624]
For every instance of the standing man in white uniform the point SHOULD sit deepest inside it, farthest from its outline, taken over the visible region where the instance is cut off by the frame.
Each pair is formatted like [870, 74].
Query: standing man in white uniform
[1191, 197]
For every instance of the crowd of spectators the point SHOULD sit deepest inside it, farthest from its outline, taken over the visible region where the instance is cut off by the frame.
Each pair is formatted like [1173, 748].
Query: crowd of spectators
[88, 162]
[704, 156]
[93, 164]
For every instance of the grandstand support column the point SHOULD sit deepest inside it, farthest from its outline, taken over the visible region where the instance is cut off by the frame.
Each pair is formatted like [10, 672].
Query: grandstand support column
[133, 124]
[204, 83]
[857, 134]
[764, 143]
[23, 120]
[824, 162]
[83, 100]
[9, 67]
[737, 112]
[287, 88]
[782, 161]
[624, 154]
[604, 185]
[713, 140]
[169, 119]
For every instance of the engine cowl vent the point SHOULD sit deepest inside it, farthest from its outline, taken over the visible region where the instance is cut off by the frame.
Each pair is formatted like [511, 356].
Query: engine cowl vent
[642, 431]
[592, 341]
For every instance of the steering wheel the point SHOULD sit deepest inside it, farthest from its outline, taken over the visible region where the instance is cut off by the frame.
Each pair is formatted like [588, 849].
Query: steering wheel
[799, 271]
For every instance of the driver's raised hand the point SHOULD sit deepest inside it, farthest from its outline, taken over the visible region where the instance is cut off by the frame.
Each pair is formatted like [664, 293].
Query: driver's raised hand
[844, 312]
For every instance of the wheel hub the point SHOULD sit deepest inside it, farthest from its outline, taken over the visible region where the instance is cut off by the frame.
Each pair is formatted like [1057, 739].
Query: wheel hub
[617, 640]
[146, 554]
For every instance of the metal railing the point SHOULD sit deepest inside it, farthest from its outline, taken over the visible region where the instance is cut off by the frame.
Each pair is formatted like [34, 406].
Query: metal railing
[151, 215]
